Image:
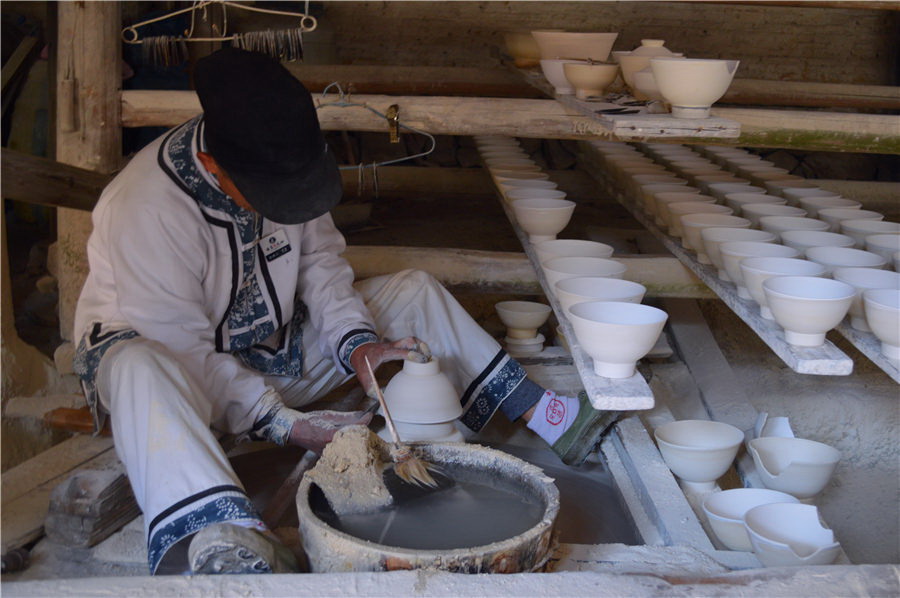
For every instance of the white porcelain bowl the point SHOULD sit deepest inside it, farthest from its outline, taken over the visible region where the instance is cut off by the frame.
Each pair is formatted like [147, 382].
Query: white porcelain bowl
[755, 211]
[572, 44]
[725, 512]
[863, 279]
[580, 289]
[615, 334]
[835, 216]
[534, 193]
[734, 252]
[815, 203]
[556, 76]
[698, 451]
[883, 245]
[780, 224]
[801, 240]
[860, 229]
[807, 307]
[661, 202]
[692, 85]
[590, 79]
[522, 318]
[650, 192]
[677, 211]
[790, 535]
[571, 248]
[845, 257]
[797, 466]
[883, 315]
[737, 201]
[713, 237]
[693, 225]
[560, 268]
[543, 219]
[756, 270]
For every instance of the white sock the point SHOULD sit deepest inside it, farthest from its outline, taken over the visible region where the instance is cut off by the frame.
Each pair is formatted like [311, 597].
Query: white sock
[553, 415]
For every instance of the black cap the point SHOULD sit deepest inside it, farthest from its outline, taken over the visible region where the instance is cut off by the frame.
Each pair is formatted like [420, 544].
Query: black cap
[261, 127]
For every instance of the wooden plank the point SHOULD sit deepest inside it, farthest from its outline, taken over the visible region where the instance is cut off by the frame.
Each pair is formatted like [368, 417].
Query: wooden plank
[812, 94]
[869, 345]
[16, 60]
[548, 119]
[33, 179]
[606, 394]
[826, 360]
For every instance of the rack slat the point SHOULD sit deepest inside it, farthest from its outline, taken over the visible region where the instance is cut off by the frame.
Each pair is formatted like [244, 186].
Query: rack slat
[869, 345]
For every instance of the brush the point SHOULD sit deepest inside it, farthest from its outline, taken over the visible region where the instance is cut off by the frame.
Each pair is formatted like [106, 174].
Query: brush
[407, 466]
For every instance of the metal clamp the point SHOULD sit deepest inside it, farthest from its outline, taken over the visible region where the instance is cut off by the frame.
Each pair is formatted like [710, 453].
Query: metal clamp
[393, 118]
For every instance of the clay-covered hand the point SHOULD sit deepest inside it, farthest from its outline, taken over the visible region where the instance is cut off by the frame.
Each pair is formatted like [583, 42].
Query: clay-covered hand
[406, 348]
[315, 429]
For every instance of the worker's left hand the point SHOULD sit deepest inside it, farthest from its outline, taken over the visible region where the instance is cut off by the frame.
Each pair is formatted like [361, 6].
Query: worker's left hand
[377, 353]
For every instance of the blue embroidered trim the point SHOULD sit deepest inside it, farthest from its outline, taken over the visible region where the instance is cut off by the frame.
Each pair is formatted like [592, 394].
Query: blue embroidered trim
[228, 505]
[351, 341]
[500, 381]
[91, 349]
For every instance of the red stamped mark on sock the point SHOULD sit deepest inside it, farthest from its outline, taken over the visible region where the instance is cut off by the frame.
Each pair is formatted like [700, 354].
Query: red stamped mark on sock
[556, 412]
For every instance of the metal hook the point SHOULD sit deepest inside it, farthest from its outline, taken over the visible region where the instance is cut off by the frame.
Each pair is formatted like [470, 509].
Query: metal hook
[393, 118]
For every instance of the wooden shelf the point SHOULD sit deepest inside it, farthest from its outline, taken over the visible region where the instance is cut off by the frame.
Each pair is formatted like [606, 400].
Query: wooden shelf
[609, 394]
[826, 360]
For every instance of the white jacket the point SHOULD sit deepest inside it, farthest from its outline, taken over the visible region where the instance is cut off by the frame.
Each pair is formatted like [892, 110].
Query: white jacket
[173, 260]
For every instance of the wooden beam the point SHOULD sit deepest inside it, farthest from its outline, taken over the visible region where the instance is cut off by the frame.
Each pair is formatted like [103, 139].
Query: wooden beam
[799, 129]
[32, 179]
[762, 92]
[844, 4]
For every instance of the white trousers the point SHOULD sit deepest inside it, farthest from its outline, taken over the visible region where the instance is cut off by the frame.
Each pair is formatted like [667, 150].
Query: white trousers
[161, 417]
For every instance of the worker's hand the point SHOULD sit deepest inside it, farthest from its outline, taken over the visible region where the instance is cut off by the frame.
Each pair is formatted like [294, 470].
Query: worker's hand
[377, 353]
[315, 429]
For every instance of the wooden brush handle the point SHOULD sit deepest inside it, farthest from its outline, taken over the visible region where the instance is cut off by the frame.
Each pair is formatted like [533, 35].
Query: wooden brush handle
[387, 414]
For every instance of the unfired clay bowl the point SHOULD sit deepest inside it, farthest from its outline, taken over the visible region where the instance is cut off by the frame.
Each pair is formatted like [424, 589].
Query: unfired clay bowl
[883, 245]
[543, 219]
[801, 240]
[548, 250]
[790, 535]
[677, 212]
[725, 512]
[556, 76]
[649, 193]
[737, 201]
[793, 195]
[755, 211]
[714, 237]
[639, 58]
[580, 289]
[523, 48]
[511, 184]
[522, 318]
[704, 181]
[835, 216]
[756, 270]
[616, 334]
[720, 190]
[733, 253]
[698, 451]
[512, 163]
[813, 204]
[560, 268]
[845, 257]
[777, 186]
[403, 394]
[693, 225]
[797, 466]
[807, 307]
[659, 206]
[500, 175]
[692, 85]
[577, 45]
[863, 279]
[590, 79]
[883, 315]
[860, 229]
[644, 85]
[780, 224]
[533, 193]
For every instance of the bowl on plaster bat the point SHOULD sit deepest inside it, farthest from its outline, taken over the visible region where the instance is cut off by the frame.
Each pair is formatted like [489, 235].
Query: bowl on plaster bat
[590, 79]
[807, 307]
[677, 212]
[572, 44]
[582, 289]
[755, 211]
[713, 237]
[694, 224]
[737, 200]
[735, 252]
[882, 307]
[548, 250]
[801, 240]
[522, 318]
[559, 268]
[780, 224]
[797, 466]
[813, 204]
[845, 257]
[863, 279]
[616, 334]
[698, 451]
[886, 246]
[835, 216]
[542, 218]
[725, 512]
[790, 535]
[649, 193]
[861, 229]
[756, 270]
[692, 85]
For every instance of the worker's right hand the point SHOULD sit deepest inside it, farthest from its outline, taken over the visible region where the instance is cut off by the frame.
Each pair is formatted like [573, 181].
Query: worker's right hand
[315, 429]
[379, 352]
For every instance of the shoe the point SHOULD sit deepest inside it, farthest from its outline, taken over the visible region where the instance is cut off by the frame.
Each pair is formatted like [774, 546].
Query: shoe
[225, 548]
[585, 432]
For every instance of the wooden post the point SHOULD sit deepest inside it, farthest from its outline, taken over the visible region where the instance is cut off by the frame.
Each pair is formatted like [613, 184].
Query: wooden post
[88, 82]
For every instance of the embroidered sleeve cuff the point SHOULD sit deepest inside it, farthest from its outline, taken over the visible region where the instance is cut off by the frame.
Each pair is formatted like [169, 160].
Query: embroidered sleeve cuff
[351, 341]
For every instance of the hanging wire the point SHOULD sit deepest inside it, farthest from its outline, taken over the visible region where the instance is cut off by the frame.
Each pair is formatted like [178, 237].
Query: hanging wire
[344, 102]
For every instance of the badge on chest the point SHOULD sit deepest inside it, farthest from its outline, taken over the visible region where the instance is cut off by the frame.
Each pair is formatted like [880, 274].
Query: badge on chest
[275, 244]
